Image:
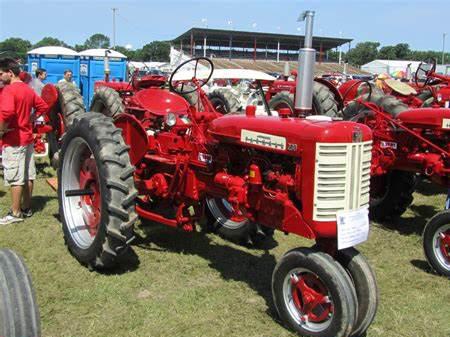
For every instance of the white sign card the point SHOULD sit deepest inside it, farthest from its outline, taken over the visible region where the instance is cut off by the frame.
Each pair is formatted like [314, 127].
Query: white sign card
[352, 227]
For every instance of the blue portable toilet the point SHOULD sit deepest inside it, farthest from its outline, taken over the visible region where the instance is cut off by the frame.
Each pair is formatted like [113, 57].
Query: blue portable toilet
[55, 60]
[92, 69]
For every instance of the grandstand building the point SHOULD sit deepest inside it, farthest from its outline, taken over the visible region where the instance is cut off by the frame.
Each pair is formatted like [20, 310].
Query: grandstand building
[234, 44]
[255, 50]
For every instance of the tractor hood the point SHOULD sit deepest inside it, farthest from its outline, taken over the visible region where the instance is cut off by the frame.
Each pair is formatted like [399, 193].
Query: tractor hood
[161, 102]
[426, 118]
[285, 135]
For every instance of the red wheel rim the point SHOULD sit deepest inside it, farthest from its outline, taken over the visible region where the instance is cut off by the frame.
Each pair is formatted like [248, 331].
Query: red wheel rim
[230, 212]
[90, 204]
[311, 297]
[444, 244]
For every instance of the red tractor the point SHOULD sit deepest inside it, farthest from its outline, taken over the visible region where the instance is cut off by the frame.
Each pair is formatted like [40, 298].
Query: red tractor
[428, 89]
[165, 161]
[434, 90]
[407, 142]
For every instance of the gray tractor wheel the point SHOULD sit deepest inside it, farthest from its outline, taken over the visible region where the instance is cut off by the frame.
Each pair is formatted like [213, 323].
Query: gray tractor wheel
[388, 103]
[324, 102]
[108, 102]
[313, 294]
[70, 106]
[222, 219]
[96, 191]
[364, 281]
[19, 314]
[224, 101]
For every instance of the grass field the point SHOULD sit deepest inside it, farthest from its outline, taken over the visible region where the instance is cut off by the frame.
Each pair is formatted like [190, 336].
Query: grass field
[179, 284]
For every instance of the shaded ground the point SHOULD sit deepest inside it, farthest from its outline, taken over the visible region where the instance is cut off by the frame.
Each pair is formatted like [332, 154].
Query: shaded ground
[180, 284]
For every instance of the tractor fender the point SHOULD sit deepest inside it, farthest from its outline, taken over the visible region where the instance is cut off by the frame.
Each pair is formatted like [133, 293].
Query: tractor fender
[134, 135]
[334, 90]
[50, 96]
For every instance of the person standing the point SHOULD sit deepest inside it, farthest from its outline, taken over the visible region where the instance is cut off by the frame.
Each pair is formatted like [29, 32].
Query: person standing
[68, 77]
[17, 101]
[37, 83]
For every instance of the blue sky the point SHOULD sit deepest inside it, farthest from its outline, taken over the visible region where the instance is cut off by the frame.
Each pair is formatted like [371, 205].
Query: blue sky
[419, 23]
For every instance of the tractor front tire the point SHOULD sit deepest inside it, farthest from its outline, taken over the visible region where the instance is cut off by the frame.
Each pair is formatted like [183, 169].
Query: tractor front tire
[224, 101]
[70, 106]
[436, 242]
[323, 103]
[313, 294]
[19, 314]
[239, 230]
[391, 194]
[364, 281]
[96, 191]
[107, 102]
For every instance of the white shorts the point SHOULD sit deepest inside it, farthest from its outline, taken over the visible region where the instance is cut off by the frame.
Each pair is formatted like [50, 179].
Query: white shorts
[18, 164]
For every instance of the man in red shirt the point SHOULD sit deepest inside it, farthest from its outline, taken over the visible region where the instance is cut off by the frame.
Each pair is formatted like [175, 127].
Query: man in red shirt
[19, 169]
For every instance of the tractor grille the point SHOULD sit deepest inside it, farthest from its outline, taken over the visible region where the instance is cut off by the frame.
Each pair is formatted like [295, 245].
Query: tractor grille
[342, 178]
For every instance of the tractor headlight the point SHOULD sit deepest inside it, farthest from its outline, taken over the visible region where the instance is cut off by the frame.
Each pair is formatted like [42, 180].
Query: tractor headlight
[171, 119]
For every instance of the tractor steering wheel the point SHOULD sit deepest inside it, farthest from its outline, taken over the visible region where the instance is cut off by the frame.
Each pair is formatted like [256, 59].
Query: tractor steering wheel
[423, 68]
[196, 83]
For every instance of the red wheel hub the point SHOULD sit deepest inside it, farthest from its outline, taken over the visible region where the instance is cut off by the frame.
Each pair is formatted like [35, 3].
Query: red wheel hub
[311, 297]
[231, 212]
[237, 216]
[90, 204]
[444, 244]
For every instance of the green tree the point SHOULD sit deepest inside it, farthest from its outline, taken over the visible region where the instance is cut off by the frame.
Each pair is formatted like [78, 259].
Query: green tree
[402, 51]
[387, 53]
[79, 47]
[333, 56]
[158, 51]
[97, 41]
[363, 53]
[130, 54]
[50, 41]
[15, 47]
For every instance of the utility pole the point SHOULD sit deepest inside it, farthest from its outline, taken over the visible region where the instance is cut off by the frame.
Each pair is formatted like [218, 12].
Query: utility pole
[114, 28]
[443, 47]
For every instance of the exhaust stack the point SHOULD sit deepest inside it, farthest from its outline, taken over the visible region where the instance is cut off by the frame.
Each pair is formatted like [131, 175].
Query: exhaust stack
[286, 71]
[107, 70]
[306, 62]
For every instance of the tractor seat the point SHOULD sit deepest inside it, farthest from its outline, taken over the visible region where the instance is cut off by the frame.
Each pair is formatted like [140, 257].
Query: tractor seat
[160, 102]
[400, 87]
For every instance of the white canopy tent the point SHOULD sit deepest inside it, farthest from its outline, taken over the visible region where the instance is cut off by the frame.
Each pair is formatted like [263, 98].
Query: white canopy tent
[377, 67]
[224, 74]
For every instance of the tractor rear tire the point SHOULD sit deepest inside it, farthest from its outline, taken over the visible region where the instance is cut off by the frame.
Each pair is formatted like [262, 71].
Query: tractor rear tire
[98, 227]
[192, 97]
[323, 103]
[71, 106]
[241, 231]
[107, 102]
[303, 274]
[397, 188]
[436, 246]
[224, 101]
[19, 314]
[388, 103]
